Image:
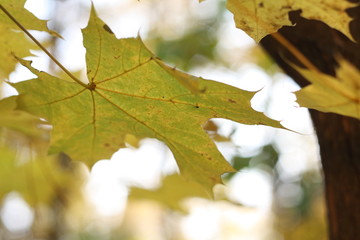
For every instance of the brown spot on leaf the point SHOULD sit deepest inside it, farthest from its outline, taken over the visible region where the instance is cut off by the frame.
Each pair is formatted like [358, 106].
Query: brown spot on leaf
[106, 27]
[213, 179]
[286, 7]
[232, 101]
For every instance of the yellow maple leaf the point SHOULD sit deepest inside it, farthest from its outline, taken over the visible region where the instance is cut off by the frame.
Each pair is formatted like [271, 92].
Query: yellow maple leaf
[340, 94]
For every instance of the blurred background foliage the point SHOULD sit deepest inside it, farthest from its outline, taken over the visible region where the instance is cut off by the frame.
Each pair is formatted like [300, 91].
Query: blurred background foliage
[44, 197]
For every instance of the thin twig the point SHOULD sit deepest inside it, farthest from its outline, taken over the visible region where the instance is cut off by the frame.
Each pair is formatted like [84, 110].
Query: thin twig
[295, 52]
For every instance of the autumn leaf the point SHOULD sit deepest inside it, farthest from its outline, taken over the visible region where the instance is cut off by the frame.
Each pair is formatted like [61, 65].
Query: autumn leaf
[11, 43]
[167, 195]
[259, 18]
[27, 19]
[14, 42]
[18, 120]
[340, 94]
[38, 180]
[132, 92]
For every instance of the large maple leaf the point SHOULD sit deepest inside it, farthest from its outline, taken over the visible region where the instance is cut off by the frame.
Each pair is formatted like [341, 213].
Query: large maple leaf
[132, 92]
[259, 18]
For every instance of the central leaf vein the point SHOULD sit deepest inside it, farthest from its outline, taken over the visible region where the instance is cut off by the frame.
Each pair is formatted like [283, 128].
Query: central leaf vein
[171, 100]
[130, 115]
[100, 52]
[93, 123]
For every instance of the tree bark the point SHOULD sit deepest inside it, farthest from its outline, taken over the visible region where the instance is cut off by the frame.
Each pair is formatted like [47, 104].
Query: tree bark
[338, 136]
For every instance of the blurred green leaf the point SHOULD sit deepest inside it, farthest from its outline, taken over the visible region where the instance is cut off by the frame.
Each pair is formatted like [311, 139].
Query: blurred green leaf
[174, 189]
[18, 120]
[38, 180]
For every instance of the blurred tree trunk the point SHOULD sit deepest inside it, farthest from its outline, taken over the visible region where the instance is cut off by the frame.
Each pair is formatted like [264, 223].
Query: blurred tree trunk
[338, 136]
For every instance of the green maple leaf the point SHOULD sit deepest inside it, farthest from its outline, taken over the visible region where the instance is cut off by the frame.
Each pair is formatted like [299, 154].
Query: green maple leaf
[12, 42]
[340, 94]
[259, 18]
[132, 92]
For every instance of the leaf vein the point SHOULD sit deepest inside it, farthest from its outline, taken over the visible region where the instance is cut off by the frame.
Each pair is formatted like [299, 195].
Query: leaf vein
[195, 104]
[62, 99]
[131, 116]
[100, 52]
[125, 72]
[68, 137]
[94, 124]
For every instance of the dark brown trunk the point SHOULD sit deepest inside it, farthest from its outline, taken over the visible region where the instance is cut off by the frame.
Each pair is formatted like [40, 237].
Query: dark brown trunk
[338, 136]
[339, 140]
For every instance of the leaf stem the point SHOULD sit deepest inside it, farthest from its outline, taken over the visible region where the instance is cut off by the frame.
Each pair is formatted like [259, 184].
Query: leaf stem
[42, 47]
[295, 52]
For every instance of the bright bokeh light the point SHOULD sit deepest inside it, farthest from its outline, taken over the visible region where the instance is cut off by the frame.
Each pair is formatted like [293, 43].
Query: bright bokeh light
[130, 166]
[252, 188]
[16, 214]
[222, 220]
[106, 194]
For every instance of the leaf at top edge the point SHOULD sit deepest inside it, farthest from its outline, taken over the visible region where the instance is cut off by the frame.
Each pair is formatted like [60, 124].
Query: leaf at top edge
[259, 18]
[132, 92]
[26, 18]
[14, 42]
[340, 94]
[173, 191]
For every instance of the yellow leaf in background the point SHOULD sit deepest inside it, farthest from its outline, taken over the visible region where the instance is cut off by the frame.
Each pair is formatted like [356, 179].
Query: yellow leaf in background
[331, 12]
[259, 18]
[27, 19]
[173, 191]
[38, 180]
[340, 94]
[13, 42]
[18, 120]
